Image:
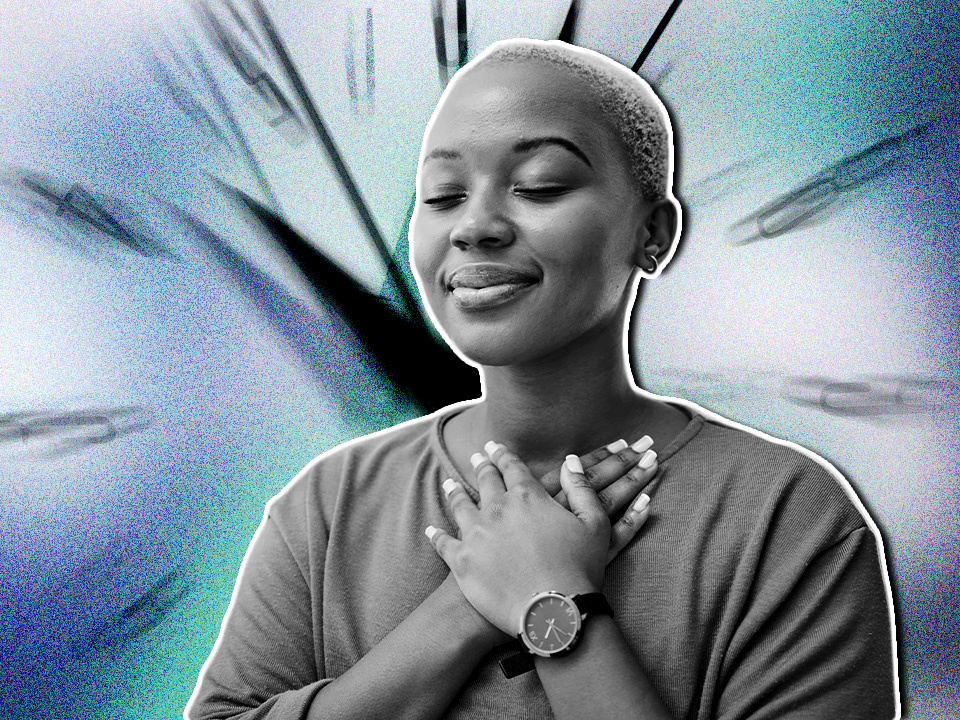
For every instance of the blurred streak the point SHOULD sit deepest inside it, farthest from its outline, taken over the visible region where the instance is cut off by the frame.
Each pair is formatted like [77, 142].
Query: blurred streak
[184, 100]
[138, 618]
[440, 41]
[323, 346]
[868, 396]
[404, 350]
[569, 29]
[661, 77]
[664, 21]
[350, 61]
[438, 21]
[420, 365]
[860, 398]
[51, 433]
[76, 209]
[710, 189]
[346, 178]
[371, 74]
[805, 206]
[242, 142]
[462, 41]
[249, 68]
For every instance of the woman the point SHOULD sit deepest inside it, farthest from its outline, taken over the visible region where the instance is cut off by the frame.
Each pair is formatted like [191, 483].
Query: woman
[757, 589]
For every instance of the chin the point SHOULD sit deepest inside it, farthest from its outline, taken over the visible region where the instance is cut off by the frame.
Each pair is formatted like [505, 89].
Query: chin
[501, 347]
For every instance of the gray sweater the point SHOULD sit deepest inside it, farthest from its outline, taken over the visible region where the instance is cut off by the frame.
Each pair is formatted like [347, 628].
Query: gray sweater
[755, 590]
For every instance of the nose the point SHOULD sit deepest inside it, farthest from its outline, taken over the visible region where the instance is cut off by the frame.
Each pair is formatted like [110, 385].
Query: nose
[482, 222]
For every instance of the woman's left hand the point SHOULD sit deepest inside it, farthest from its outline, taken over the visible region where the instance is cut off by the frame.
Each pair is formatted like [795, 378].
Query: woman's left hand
[520, 541]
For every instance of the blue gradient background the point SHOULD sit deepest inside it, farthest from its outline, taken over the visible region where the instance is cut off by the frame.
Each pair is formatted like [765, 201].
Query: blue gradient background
[118, 556]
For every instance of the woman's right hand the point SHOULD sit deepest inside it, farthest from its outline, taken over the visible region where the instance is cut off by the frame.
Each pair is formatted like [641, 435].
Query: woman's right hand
[619, 473]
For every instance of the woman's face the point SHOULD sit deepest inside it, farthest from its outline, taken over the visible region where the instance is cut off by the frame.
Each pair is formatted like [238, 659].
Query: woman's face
[526, 225]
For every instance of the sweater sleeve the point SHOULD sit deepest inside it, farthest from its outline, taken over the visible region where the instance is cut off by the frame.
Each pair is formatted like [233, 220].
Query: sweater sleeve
[264, 664]
[823, 648]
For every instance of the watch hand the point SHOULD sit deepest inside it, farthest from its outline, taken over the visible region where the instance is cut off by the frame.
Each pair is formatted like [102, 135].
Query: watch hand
[557, 630]
[346, 179]
[656, 34]
[569, 28]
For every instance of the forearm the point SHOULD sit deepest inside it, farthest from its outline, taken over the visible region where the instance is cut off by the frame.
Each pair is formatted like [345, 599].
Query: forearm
[417, 669]
[600, 679]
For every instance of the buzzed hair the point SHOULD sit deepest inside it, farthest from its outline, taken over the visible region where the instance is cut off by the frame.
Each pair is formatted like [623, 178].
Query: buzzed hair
[634, 112]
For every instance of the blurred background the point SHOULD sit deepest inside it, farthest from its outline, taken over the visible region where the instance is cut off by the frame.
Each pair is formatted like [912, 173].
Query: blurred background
[204, 284]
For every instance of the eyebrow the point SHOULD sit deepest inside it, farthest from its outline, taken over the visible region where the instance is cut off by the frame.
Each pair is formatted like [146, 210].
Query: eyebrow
[539, 142]
[521, 147]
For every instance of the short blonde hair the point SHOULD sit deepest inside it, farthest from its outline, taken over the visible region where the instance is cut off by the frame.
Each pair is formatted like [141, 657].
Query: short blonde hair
[635, 113]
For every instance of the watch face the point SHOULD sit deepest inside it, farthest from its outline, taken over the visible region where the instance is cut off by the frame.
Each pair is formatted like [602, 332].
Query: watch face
[551, 624]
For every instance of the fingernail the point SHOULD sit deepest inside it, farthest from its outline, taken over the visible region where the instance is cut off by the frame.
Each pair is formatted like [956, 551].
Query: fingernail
[641, 502]
[642, 445]
[430, 531]
[449, 485]
[476, 459]
[574, 464]
[491, 447]
[648, 459]
[617, 446]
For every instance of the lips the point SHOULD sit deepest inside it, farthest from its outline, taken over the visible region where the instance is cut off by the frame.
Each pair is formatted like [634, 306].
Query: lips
[480, 286]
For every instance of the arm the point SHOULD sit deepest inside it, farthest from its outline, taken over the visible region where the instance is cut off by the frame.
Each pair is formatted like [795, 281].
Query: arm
[821, 647]
[815, 641]
[265, 663]
[823, 652]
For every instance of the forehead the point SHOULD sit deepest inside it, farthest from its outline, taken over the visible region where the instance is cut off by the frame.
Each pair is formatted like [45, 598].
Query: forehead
[511, 101]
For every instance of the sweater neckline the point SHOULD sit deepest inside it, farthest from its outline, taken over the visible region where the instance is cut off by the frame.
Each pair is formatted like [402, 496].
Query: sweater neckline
[446, 461]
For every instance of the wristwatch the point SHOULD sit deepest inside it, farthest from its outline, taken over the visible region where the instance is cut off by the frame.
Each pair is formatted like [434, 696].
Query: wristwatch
[550, 626]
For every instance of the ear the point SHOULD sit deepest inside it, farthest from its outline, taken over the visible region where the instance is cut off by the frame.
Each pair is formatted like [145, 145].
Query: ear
[658, 236]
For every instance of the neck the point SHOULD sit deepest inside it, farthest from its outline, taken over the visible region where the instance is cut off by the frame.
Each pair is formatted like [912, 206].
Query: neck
[572, 402]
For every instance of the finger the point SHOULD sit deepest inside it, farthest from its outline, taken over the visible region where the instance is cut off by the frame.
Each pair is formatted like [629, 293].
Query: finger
[627, 527]
[489, 480]
[445, 545]
[582, 497]
[551, 481]
[514, 471]
[461, 504]
[619, 494]
[607, 465]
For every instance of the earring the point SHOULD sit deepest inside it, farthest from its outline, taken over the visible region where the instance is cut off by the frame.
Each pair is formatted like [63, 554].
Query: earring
[651, 256]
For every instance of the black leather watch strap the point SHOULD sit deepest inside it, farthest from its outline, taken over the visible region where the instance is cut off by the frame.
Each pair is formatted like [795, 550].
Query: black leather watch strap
[521, 661]
[593, 603]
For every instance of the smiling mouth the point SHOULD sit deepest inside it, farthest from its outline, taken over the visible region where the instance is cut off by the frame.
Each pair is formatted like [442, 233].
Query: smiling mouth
[479, 286]
[490, 296]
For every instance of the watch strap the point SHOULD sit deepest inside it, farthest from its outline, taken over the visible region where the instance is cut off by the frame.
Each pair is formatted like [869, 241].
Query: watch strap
[593, 603]
[521, 660]
[517, 663]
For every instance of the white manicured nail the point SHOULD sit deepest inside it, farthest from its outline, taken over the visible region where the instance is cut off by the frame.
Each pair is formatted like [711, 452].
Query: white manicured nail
[648, 459]
[617, 446]
[476, 459]
[641, 502]
[491, 447]
[430, 531]
[574, 464]
[449, 485]
[642, 445]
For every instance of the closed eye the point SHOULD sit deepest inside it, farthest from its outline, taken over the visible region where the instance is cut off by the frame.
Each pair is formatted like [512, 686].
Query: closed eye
[542, 191]
[444, 200]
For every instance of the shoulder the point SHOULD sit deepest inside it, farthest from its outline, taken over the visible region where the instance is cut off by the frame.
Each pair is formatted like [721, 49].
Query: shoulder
[763, 481]
[362, 466]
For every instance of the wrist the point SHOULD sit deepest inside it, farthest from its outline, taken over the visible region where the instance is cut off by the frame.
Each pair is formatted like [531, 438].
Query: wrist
[475, 629]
